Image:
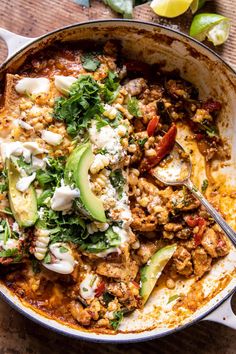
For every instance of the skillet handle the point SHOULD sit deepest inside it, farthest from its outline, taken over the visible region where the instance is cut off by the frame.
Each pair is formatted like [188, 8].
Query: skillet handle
[223, 314]
[13, 41]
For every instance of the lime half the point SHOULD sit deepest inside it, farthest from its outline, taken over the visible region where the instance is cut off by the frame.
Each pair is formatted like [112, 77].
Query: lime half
[170, 8]
[196, 5]
[215, 27]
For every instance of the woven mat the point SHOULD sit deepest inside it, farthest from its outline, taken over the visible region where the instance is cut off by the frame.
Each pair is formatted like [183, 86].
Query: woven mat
[19, 335]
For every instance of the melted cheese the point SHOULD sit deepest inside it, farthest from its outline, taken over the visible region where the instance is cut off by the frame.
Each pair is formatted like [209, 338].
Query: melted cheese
[33, 85]
[63, 197]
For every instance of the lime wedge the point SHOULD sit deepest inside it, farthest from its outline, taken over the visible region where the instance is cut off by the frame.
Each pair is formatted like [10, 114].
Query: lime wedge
[215, 27]
[170, 8]
[196, 5]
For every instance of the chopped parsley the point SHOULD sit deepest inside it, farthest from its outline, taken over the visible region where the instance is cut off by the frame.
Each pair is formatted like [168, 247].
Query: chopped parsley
[100, 123]
[44, 197]
[53, 174]
[111, 87]
[63, 249]
[141, 142]
[133, 107]
[82, 104]
[90, 62]
[107, 297]
[172, 298]
[117, 181]
[47, 258]
[204, 185]
[100, 241]
[118, 317]
[11, 252]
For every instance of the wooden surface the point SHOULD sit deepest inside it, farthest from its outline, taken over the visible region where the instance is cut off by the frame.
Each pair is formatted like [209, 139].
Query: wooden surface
[19, 335]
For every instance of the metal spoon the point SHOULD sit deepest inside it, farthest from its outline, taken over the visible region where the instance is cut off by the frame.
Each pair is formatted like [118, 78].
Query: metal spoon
[176, 170]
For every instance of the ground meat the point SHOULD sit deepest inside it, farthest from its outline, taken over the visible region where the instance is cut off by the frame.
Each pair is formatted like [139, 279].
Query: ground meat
[136, 86]
[153, 93]
[145, 252]
[184, 234]
[123, 271]
[179, 89]
[182, 261]
[80, 314]
[201, 261]
[215, 243]
[141, 221]
[173, 227]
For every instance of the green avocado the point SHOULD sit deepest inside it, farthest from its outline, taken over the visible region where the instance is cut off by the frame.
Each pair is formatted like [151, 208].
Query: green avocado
[91, 202]
[72, 162]
[23, 204]
[152, 271]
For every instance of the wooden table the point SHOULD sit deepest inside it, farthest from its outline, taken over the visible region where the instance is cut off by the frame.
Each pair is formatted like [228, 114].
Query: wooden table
[20, 335]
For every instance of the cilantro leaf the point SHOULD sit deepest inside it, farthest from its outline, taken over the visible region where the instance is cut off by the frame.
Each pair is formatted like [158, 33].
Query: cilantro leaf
[172, 298]
[41, 200]
[111, 87]
[90, 62]
[101, 241]
[84, 102]
[118, 317]
[47, 258]
[117, 180]
[204, 185]
[133, 107]
[11, 252]
[63, 249]
[100, 123]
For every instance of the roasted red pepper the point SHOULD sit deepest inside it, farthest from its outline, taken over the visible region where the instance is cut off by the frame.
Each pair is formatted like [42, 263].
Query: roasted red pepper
[100, 289]
[201, 223]
[212, 106]
[163, 148]
[152, 126]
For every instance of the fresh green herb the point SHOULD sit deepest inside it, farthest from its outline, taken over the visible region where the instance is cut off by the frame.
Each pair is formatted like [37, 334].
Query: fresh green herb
[7, 232]
[7, 211]
[63, 249]
[53, 174]
[107, 298]
[204, 185]
[211, 130]
[82, 104]
[100, 123]
[141, 142]
[118, 317]
[133, 107]
[117, 181]
[90, 62]
[47, 258]
[85, 289]
[35, 266]
[111, 87]
[102, 151]
[11, 252]
[100, 241]
[172, 298]
[3, 187]
[43, 198]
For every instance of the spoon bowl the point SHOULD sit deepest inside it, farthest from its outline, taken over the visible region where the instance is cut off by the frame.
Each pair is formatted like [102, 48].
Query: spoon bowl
[175, 169]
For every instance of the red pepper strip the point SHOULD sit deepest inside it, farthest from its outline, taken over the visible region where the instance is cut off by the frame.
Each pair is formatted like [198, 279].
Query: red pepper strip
[135, 284]
[100, 289]
[152, 126]
[191, 221]
[199, 234]
[163, 148]
[212, 106]
[201, 223]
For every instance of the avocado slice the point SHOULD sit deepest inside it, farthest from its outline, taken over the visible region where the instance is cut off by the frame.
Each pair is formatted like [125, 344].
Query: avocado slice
[72, 162]
[91, 202]
[152, 271]
[23, 204]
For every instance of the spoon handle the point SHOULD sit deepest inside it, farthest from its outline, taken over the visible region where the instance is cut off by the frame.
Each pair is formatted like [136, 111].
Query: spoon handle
[212, 211]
